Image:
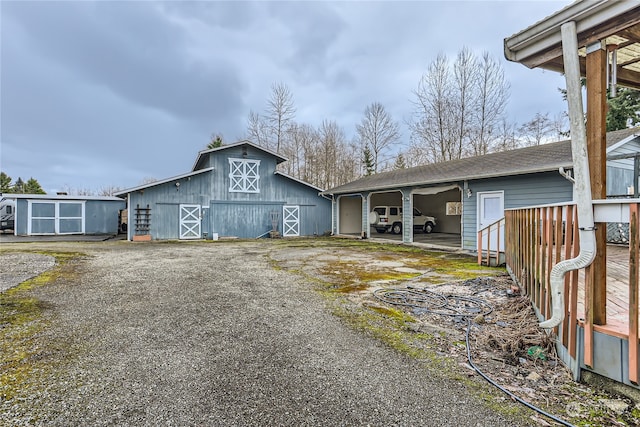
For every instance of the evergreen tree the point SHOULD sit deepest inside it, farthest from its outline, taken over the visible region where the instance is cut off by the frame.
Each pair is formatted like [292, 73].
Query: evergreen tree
[400, 163]
[367, 161]
[32, 186]
[624, 109]
[5, 183]
[216, 142]
[18, 187]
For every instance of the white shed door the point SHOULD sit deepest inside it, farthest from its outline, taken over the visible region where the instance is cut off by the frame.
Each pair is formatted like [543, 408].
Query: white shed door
[190, 222]
[490, 210]
[290, 221]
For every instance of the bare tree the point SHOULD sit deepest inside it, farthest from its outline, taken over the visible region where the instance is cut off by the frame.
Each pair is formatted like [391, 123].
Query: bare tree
[257, 131]
[280, 112]
[560, 126]
[108, 190]
[433, 122]
[491, 101]
[465, 74]
[506, 137]
[458, 107]
[537, 130]
[377, 131]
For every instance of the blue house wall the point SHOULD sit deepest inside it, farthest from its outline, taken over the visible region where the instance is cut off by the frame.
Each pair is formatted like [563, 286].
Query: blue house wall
[519, 190]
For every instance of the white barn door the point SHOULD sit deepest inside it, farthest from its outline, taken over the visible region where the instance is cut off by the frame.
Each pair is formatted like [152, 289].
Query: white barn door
[290, 221]
[190, 222]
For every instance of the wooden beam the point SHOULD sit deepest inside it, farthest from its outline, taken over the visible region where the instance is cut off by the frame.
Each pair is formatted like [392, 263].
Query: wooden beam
[634, 236]
[597, 150]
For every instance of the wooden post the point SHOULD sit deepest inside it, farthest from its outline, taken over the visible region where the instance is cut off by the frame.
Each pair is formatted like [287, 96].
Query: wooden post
[596, 273]
[634, 244]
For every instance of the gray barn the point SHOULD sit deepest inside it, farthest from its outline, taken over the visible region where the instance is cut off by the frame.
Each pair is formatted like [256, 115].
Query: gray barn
[231, 191]
[42, 214]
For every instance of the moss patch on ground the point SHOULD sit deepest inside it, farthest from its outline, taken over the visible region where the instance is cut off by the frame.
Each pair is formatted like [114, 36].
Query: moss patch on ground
[22, 354]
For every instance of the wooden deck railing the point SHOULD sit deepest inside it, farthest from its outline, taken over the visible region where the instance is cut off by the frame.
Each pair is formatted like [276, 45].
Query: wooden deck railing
[491, 243]
[537, 238]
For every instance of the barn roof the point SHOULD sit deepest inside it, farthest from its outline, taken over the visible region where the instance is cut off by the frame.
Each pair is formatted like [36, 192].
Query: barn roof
[541, 158]
[162, 181]
[617, 23]
[203, 153]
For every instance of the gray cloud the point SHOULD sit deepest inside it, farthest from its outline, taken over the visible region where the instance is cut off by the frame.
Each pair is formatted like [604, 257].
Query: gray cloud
[101, 93]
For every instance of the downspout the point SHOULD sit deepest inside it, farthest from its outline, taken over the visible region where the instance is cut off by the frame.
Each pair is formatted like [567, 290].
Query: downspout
[582, 181]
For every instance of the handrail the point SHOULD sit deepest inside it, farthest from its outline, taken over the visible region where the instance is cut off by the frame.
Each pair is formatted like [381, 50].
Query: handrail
[481, 233]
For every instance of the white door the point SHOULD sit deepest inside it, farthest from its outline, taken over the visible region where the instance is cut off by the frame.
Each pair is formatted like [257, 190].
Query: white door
[190, 222]
[290, 221]
[490, 210]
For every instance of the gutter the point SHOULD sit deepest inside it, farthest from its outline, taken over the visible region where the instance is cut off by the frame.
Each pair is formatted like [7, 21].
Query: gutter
[530, 45]
[581, 181]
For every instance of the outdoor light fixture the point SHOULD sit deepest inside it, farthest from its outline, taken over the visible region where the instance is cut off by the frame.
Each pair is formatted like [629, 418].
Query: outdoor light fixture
[469, 193]
[177, 186]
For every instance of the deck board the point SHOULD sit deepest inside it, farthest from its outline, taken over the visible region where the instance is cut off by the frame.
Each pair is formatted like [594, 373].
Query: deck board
[617, 291]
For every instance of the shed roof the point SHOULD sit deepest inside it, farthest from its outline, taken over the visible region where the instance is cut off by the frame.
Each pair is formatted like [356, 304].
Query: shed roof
[541, 158]
[59, 197]
[201, 154]
[617, 23]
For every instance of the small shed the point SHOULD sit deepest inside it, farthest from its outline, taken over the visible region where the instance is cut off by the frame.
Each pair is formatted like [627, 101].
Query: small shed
[231, 191]
[43, 214]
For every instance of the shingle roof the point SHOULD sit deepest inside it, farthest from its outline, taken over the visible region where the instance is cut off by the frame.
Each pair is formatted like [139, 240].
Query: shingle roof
[541, 158]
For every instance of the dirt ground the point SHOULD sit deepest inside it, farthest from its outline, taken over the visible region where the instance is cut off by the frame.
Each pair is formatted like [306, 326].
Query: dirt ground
[241, 333]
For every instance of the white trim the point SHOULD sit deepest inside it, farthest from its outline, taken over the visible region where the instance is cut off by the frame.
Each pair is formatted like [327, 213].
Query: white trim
[479, 195]
[546, 33]
[190, 222]
[238, 144]
[623, 142]
[56, 216]
[291, 220]
[244, 175]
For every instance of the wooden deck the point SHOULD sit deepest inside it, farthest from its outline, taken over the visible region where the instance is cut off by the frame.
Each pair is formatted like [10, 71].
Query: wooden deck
[617, 292]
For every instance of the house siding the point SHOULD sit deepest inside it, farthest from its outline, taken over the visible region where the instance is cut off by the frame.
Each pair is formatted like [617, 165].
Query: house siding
[620, 172]
[519, 191]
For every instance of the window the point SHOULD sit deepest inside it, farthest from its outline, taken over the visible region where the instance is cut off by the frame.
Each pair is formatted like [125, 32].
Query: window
[393, 211]
[244, 176]
[9, 210]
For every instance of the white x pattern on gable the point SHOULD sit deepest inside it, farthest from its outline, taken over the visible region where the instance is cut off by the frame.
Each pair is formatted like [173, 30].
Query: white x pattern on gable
[244, 176]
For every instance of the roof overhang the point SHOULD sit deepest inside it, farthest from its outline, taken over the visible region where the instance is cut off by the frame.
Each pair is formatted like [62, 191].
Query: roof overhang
[616, 23]
[162, 181]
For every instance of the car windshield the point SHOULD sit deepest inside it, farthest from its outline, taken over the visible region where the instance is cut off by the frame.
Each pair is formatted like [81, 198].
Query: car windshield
[380, 211]
[416, 212]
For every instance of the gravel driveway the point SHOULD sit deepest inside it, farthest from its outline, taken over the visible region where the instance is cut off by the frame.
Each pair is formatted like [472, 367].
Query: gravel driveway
[211, 334]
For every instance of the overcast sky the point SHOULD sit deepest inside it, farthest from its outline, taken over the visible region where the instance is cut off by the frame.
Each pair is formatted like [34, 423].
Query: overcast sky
[97, 94]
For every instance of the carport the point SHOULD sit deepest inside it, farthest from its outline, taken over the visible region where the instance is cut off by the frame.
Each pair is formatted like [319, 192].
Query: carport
[351, 213]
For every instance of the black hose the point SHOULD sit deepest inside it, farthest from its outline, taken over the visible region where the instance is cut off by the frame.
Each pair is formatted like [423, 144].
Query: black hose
[513, 396]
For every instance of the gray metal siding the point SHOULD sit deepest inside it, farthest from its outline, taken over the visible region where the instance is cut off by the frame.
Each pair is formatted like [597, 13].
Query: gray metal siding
[519, 191]
[244, 220]
[101, 217]
[164, 201]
